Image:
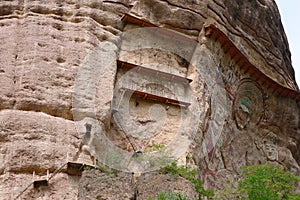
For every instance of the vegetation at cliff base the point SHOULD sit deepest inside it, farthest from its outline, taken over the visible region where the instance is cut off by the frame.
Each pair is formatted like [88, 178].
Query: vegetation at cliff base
[191, 175]
[163, 195]
[266, 182]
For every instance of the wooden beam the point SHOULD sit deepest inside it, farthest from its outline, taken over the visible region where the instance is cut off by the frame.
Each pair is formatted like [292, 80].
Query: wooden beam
[232, 53]
[154, 72]
[167, 32]
[254, 72]
[227, 50]
[134, 20]
[149, 96]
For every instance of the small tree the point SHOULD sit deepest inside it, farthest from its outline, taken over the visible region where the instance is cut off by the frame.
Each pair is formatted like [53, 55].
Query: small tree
[266, 182]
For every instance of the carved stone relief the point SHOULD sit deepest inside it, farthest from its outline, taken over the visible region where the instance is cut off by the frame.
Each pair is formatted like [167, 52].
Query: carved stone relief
[248, 103]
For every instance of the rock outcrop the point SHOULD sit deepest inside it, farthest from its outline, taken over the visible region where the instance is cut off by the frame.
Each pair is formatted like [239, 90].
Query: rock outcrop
[100, 185]
[214, 88]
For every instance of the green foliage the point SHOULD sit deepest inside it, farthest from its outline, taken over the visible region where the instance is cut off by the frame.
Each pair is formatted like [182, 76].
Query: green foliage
[163, 195]
[185, 172]
[155, 147]
[230, 190]
[105, 177]
[160, 159]
[293, 196]
[266, 182]
[101, 167]
[87, 168]
[105, 169]
[189, 174]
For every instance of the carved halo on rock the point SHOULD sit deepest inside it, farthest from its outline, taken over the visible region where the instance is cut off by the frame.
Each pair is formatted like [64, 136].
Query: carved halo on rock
[248, 103]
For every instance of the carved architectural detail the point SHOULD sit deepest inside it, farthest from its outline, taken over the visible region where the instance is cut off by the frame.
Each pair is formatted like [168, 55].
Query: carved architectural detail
[154, 84]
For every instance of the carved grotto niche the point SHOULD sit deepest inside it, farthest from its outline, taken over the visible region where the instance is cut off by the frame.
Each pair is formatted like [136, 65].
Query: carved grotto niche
[152, 94]
[148, 105]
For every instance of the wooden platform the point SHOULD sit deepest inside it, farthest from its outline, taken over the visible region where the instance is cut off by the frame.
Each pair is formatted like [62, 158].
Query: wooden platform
[153, 72]
[39, 183]
[148, 96]
[76, 168]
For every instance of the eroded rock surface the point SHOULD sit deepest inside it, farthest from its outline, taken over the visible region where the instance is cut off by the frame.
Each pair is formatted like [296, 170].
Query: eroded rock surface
[95, 184]
[58, 71]
[150, 185]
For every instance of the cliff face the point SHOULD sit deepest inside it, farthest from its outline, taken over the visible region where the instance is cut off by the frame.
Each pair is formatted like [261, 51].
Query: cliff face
[63, 93]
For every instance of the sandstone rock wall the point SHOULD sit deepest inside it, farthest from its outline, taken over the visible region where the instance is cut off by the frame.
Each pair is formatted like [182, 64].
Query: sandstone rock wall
[53, 82]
